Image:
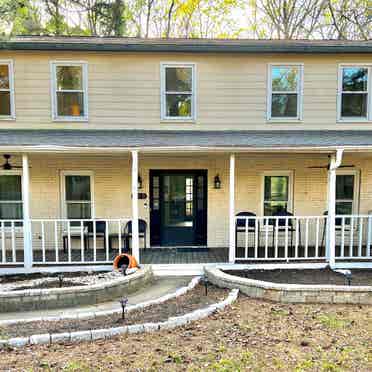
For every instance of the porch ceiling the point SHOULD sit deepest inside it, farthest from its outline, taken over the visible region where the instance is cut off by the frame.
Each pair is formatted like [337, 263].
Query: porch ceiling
[122, 140]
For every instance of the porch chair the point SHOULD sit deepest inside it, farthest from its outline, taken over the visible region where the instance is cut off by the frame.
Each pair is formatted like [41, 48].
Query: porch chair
[75, 233]
[142, 232]
[240, 226]
[338, 226]
[282, 225]
[100, 231]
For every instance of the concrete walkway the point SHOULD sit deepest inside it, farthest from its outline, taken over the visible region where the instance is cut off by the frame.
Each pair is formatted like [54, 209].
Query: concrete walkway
[158, 288]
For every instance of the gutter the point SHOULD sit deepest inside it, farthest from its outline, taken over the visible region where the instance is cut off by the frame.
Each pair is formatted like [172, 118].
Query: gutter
[164, 149]
[183, 48]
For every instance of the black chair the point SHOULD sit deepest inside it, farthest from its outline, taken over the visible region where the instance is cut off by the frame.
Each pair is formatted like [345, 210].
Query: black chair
[142, 232]
[284, 224]
[75, 233]
[241, 225]
[338, 226]
[100, 231]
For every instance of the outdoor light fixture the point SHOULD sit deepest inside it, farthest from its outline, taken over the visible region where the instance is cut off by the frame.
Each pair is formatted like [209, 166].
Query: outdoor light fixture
[217, 182]
[139, 182]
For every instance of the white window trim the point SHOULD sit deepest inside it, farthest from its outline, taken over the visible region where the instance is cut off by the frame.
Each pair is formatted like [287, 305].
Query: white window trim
[9, 63]
[288, 173]
[356, 174]
[300, 92]
[63, 175]
[369, 94]
[14, 172]
[163, 117]
[53, 69]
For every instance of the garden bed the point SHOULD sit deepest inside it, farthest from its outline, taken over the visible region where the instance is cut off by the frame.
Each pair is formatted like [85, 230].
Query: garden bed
[192, 300]
[54, 280]
[306, 276]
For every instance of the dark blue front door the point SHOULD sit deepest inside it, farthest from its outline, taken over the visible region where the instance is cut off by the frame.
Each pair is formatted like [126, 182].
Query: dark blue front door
[178, 205]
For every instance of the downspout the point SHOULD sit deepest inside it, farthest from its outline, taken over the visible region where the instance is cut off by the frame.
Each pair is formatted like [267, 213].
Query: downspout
[335, 163]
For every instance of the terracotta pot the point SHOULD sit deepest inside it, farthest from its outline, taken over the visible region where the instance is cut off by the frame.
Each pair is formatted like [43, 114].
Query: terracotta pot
[124, 259]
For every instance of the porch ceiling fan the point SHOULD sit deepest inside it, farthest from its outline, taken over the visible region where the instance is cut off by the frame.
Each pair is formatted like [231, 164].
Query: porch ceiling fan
[7, 165]
[327, 166]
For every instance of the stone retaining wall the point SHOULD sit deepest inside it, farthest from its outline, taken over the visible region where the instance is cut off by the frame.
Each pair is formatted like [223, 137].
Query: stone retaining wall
[54, 298]
[291, 293]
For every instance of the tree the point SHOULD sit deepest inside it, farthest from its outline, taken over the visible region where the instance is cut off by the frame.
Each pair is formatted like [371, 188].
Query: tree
[289, 19]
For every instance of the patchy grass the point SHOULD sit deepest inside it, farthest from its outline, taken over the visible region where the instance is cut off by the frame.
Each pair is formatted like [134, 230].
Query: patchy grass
[252, 335]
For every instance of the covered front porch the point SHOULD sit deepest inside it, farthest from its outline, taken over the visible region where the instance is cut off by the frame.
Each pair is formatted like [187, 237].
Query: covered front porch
[185, 206]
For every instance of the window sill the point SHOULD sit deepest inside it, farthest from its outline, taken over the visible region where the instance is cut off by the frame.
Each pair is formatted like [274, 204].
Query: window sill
[285, 120]
[71, 119]
[178, 120]
[7, 118]
[356, 120]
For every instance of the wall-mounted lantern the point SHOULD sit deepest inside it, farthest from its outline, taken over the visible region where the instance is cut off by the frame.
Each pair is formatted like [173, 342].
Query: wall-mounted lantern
[139, 182]
[217, 182]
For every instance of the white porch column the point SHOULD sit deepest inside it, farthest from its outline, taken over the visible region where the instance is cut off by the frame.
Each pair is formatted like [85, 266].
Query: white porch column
[135, 234]
[232, 210]
[27, 237]
[331, 231]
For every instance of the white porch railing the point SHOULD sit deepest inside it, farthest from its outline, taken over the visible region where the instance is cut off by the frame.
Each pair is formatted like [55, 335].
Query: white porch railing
[11, 242]
[353, 237]
[63, 241]
[301, 238]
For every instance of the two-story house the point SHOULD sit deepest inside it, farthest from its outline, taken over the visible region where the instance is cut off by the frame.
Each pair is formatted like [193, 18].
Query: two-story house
[187, 151]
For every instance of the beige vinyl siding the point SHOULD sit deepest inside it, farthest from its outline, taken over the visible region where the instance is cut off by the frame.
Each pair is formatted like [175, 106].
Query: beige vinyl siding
[112, 184]
[124, 90]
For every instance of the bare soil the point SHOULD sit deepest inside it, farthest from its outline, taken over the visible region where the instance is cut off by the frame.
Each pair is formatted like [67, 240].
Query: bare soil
[192, 300]
[315, 276]
[252, 335]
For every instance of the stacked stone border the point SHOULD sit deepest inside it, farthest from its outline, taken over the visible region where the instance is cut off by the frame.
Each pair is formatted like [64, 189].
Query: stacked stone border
[99, 334]
[291, 293]
[116, 311]
[54, 298]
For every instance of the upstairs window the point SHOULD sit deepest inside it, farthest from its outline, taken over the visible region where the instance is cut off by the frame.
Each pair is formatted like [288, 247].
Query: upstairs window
[354, 93]
[6, 90]
[285, 87]
[70, 97]
[178, 92]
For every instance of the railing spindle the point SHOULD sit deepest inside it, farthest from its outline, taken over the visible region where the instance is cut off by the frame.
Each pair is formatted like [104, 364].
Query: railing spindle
[43, 241]
[246, 238]
[342, 253]
[119, 237]
[351, 254]
[69, 241]
[368, 247]
[276, 238]
[360, 237]
[107, 240]
[317, 238]
[94, 241]
[256, 237]
[266, 238]
[3, 252]
[306, 253]
[56, 240]
[82, 242]
[14, 253]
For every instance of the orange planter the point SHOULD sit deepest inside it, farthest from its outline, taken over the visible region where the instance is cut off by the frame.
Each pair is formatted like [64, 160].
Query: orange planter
[125, 259]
